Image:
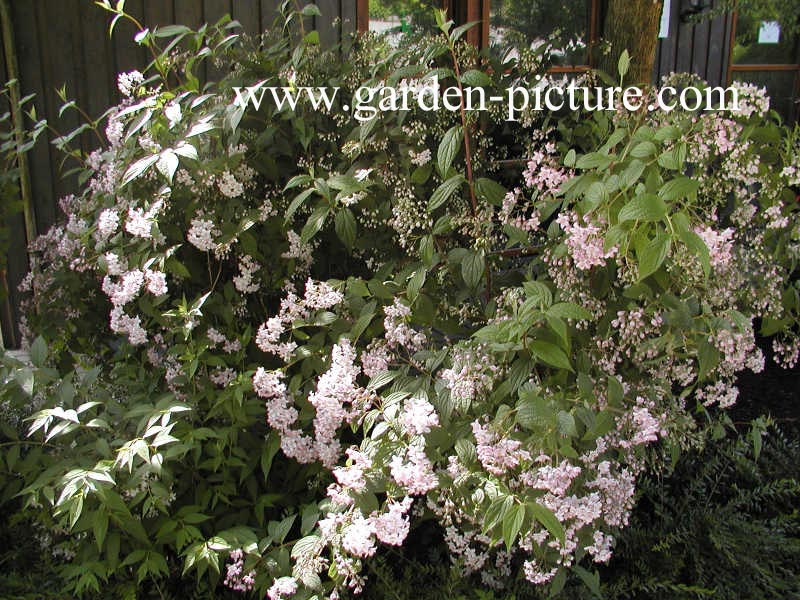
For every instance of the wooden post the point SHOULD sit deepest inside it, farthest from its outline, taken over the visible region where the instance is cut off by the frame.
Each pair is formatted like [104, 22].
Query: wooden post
[18, 119]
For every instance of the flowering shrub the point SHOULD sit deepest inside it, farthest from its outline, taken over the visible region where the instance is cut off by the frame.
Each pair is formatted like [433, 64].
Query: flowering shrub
[269, 342]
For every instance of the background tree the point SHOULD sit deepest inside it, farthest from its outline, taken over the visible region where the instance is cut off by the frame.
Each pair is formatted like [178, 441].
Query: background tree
[632, 25]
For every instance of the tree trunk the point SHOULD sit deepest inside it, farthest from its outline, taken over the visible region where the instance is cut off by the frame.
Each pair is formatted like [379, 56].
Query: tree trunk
[632, 25]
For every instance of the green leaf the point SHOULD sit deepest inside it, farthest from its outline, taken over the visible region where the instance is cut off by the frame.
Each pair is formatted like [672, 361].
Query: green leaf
[449, 147]
[596, 193]
[496, 511]
[444, 191]
[381, 379]
[473, 267]
[311, 10]
[38, 352]
[569, 310]
[139, 167]
[539, 293]
[476, 78]
[624, 63]
[534, 412]
[632, 173]
[345, 225]
[668, 160]
[314, 223]
[707, 358]
[422, 174]
[304, 546]
[490, 191]
[653, 255]
[416, 282]
[696, 244]
[643, 149]
[550, 354]
[427, 250]
[512, 523]
[296, 203]
[593, 160]
[546, 517]
[680, 187]
[647, 207]
[100, 527]
[566, 424]
[590, 580]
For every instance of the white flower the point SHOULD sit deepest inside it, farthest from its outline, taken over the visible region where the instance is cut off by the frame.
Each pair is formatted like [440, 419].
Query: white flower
[173, 113]
[362, 174]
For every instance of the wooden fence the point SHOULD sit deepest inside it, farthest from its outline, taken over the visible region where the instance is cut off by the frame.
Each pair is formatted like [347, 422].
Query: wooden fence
[702, 48]
[65, 43]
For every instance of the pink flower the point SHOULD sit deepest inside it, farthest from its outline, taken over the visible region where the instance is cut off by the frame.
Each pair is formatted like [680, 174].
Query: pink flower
[107, 223]
[392, 526]
[283, 587]
[414, 472]
[497, 455]
[720, 245]
[418, 416]
[201, 234]
[585, 242]
[156, 282]
[358, 539]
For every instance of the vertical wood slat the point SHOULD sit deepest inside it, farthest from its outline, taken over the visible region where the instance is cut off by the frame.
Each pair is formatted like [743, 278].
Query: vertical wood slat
[158, 13]
[188, 12]
[329, 24]
[701, 48]
[247, 13]
[348, 12]
[668, 46]
[53, 36]
[97, 57]
[213, 10]
[700, 45]
[269, 12]
[716, 50]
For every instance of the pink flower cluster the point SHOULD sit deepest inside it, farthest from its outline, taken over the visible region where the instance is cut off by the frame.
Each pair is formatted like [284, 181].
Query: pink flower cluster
[243, 282]
[281, 588]
[124, 291]
[418, 416]
[544, 171]
[358, 534]
[337, 399]
[399, 334]
[497, 454]
[413, 471]
[639, 427]
[515, 214]
[318, 296]
[282, 415]
[585, 242]
[235, 578]
[555, 480]
[720, 245]
[471, 375]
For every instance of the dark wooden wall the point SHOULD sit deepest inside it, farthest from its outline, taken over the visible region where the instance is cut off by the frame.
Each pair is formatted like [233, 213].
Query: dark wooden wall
[702, 48]
[66, 43]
